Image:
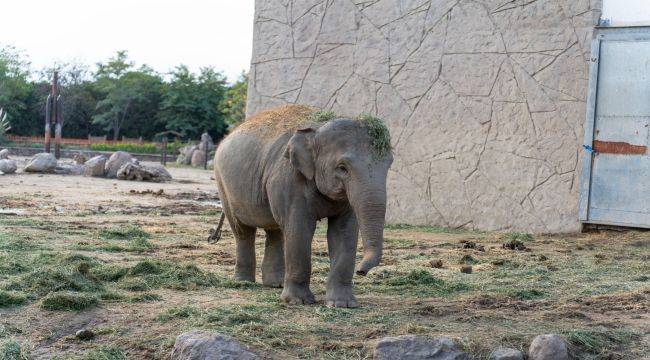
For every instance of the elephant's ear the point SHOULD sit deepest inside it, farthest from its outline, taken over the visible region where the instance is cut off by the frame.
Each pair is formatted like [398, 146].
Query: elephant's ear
[300, 152]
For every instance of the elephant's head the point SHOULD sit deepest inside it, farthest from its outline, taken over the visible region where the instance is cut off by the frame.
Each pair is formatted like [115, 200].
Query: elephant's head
[349, 160]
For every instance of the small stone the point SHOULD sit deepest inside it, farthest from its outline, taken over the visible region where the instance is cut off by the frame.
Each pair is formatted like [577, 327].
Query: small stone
[466, 269]
[8, 166]
[42, 163]
[200, 345]
[506, 354]
[437, 264]
[548, 347]
[410, 347]
[85, 334]
[4, 154]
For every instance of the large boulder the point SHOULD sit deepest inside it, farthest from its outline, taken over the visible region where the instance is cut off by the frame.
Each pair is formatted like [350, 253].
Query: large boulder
[95, 166]
[506, 354]
[410, 347]
[206, 141]
[201, 345]
[4, 154]
[185, 154]
[198, 158]
[8, 166]
[115, 162]
[42, 163]
[548, 347]
[139, 172]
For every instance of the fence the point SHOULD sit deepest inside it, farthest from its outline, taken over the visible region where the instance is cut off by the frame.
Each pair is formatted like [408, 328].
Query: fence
[79, 142]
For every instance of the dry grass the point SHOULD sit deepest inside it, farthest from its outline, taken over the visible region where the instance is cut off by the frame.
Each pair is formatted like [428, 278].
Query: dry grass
[593, 289]
[275, 121]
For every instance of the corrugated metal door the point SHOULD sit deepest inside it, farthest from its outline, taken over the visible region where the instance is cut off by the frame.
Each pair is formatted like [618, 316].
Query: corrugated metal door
[616, 173]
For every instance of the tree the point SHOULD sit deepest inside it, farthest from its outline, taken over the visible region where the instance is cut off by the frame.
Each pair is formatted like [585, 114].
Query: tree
[130, 98]
[17, 95]
[191, 103]
[234, 104]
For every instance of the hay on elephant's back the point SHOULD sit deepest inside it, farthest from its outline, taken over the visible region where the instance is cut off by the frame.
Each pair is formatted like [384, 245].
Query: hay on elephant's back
[277, 120]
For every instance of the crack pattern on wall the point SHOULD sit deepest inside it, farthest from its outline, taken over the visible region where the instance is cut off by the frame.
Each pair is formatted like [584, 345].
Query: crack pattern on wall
[485, 99]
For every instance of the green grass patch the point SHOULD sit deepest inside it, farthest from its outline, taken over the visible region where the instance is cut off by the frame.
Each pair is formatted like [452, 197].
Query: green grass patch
[42, 281]
[321, 116]
[527, 294]
[417, 283]
[124, 233]
[517, 236]
[104, 353]
[182, 312]
[11, 298]
[68, 301]
[599, 342]
[13, 350]
[134, 148]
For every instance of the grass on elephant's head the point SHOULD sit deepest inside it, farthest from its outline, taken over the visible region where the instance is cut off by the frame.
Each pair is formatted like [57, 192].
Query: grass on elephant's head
[379, 134]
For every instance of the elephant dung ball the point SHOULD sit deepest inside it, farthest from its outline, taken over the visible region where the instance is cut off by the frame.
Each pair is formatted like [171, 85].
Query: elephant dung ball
[466, 269]
[437, 264]
[85, 334]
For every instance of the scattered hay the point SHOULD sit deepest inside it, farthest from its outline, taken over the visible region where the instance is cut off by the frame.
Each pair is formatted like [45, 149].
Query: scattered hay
[124, 233]
[68, 301]
[13, 350]
[11, 298]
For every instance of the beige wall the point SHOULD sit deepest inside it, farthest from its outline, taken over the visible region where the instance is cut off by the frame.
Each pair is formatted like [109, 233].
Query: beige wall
[485, 99]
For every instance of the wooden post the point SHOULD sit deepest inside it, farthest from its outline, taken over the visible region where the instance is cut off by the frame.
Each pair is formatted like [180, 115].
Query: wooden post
[164, 151]
[56, 116]
[48, 118]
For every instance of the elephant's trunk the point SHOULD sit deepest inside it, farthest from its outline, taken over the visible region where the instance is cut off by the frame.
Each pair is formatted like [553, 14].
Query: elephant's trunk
[370, 209]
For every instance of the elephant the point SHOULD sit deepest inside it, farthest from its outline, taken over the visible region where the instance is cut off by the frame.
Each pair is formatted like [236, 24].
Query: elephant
[285, 169]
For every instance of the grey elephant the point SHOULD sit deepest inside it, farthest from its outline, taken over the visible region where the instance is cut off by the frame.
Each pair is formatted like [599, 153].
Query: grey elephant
[285, 169]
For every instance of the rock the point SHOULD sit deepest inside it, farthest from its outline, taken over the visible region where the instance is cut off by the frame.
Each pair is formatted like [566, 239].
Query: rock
[70, 169]
[115, 162]
[206, 139]
[95, 166]
[198, 158]
[200, 345]
[466, 269]
[8, 166]
[138, 172]
[79, 158]
[4, 154]
[548, 347]
[210, 164]
[42, 163]
[185, 154]
[437, 264]
[85, 334]
[410, 347]
[506, 354]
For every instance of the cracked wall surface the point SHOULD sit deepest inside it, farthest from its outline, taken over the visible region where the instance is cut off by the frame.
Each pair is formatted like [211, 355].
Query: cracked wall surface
[485, 99]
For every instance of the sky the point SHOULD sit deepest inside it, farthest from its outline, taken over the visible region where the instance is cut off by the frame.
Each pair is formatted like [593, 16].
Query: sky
[629, 12]
[159, 33]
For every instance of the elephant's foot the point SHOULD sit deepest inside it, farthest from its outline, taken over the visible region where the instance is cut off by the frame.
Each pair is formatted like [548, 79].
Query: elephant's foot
[273, 279]
[297, 295]
[341, 297]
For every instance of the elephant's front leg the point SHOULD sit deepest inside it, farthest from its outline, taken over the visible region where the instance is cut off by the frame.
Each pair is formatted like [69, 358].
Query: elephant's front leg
[298, 234]
[342, 238]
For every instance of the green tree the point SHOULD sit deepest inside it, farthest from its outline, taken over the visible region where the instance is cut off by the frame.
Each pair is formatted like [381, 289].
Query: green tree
[191, 104]
[129, 97]
[234, 102]
[17, 95]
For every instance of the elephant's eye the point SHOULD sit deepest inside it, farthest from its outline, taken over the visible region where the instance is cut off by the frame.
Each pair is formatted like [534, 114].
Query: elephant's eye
[342, 169]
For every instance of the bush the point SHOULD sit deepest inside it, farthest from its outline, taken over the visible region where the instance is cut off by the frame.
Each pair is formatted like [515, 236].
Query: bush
[133, 148]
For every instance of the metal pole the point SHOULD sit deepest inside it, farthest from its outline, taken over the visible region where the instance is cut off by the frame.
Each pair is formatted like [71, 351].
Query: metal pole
[205, 151]
[57, 115]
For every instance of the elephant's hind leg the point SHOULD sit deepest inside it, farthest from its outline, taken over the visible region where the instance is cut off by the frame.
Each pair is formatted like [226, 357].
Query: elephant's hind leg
[273, 263]
[245, 265]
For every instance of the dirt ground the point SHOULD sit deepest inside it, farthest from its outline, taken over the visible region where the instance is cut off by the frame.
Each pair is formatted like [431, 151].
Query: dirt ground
[130, 261]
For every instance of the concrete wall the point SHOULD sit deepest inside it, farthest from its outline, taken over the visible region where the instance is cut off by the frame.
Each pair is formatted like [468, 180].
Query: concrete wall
[485, 99]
